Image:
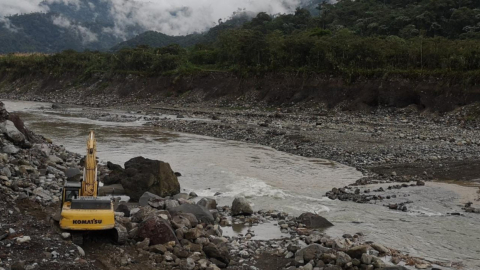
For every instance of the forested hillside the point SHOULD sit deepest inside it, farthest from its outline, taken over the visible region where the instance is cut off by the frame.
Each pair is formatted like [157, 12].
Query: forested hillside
[335, 42]
[156, 39]
[404, 18]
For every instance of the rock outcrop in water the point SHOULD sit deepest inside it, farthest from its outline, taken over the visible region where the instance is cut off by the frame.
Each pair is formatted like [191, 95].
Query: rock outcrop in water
[141, 175]
[314, 221]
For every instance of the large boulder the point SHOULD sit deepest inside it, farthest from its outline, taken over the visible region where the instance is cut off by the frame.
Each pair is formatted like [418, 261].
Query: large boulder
[314, 221]
[154, 176]
[201, 213]
[157, 230]
[240, 206]
[12, 133]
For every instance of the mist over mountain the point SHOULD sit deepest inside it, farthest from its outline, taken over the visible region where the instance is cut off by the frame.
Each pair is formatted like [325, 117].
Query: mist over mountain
[53, 25]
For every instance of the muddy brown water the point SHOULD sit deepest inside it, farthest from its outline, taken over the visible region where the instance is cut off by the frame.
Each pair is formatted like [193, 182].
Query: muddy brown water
[272, 179]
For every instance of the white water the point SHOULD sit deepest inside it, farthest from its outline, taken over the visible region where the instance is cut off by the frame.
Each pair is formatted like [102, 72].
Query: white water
[272, 179]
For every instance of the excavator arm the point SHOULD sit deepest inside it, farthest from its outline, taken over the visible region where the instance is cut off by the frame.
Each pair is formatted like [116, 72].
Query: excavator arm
[89, 184]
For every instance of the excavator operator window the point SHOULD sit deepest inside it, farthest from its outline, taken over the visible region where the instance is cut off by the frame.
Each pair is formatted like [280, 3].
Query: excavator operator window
[70, 194]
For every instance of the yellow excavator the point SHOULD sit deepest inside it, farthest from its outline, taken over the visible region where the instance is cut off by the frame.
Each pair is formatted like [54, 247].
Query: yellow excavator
[82, 210]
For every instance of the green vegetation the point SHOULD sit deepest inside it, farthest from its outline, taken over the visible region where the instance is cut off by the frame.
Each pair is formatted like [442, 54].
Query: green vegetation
[371, 38]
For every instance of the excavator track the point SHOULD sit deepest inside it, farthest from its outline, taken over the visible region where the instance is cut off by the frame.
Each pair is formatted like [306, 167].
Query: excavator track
[120, 234]
[77, 238]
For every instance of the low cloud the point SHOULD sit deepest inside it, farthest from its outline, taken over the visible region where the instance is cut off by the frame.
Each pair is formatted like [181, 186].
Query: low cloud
[187, 16]
[82, 32]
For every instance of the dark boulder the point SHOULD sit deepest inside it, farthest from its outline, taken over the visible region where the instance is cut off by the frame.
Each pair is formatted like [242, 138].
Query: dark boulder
[201, 213]
[157, 230]
[114, 167]
[115, 176]
[154, 176]
[314, 221]
[73, 174]
[240, 206]
[219, 252]
[123, 208]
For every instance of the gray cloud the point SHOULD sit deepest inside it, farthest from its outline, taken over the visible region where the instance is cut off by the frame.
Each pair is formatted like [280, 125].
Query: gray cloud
[11, 7]
[187, 16]
[172, 17]
[82, 32]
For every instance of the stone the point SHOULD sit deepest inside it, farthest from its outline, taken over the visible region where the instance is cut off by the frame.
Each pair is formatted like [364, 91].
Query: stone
[181, 196]
[193, 233]
[123, 208]
[73, 174]
[380, 248]
[65, 235]
[55, 159]
[420, 183]
[18, 266]
[208, 203]
[170, 204]
[116, 189]
[377, 262]
[23, 239]
[240, 206]
[161, 249]
[144, 244]
[157, 230]
[357, 251]
[201, 213]
[310, 252]
[147, 196]
[10, 149]
[12, 133]
[191, 218]
[154, 176]
[366, 259]
[343, 259]
[81, 251]
[179, 221]
[220, 252]
[314, 221]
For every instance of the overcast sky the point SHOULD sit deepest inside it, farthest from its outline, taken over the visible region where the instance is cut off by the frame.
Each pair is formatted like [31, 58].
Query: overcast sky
[174, 17]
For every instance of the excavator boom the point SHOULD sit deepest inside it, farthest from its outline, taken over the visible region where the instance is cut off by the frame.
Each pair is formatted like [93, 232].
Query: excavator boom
[89, 184]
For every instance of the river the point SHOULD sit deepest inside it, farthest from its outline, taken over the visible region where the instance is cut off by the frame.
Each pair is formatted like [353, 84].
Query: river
[272, 179]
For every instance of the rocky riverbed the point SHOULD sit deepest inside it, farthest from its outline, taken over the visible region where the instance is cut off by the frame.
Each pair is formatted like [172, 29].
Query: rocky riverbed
[170, 232]
[179, 232]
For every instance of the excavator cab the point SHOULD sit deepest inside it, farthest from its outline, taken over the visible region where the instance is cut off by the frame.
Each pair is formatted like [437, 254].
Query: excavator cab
[71, 190]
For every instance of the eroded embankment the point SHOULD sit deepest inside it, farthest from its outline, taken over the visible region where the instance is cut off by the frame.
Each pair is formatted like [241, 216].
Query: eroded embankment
[428, 92]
